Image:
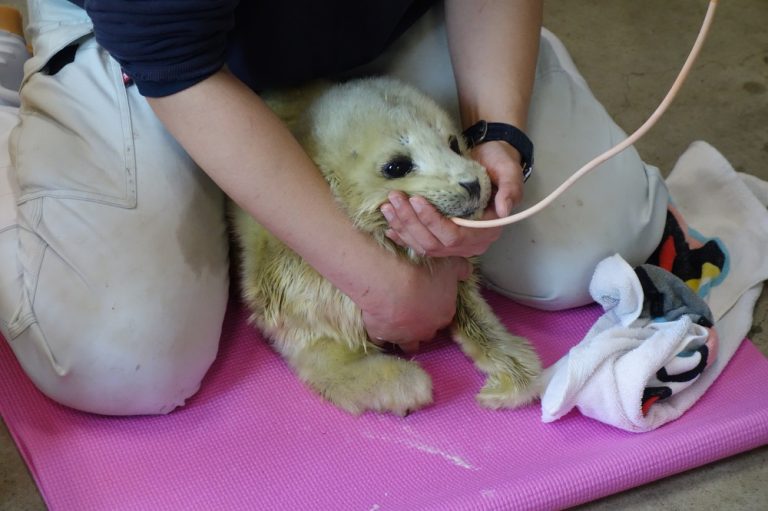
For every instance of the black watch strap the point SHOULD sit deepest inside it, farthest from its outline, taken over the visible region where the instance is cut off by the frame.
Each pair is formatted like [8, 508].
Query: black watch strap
[484, 131]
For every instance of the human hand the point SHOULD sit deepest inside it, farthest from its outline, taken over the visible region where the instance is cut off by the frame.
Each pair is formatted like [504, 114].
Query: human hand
[502, 162]
[415, 223]
[418, 302]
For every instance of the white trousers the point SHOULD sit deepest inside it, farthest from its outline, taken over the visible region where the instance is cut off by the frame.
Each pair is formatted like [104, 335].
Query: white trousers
[118, 274]
[113, 250]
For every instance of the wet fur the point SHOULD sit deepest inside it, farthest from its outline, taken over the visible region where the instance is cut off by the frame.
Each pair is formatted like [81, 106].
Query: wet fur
[352, 131]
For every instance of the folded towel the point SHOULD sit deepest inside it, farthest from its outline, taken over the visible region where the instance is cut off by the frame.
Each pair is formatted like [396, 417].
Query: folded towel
[643, 349]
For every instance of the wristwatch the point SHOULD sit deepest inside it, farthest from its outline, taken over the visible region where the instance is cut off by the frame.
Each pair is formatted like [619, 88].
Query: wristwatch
[484, 131]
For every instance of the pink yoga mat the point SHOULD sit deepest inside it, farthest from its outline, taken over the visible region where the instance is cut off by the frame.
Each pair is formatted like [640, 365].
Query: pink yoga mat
[255, 438]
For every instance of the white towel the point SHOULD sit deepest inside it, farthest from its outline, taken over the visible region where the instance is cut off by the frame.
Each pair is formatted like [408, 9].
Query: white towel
[605, 376]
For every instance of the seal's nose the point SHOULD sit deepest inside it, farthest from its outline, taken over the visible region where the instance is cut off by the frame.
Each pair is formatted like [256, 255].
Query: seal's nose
[473, 188]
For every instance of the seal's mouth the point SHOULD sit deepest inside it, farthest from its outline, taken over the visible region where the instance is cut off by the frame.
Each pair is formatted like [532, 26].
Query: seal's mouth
[469, 209]
[467, 213]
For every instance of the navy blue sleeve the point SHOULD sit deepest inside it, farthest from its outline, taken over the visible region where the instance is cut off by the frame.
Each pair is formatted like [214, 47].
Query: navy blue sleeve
[165, 46]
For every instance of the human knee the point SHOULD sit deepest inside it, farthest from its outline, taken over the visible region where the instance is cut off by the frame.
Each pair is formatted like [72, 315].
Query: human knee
[115, 374]
[543, 282]
[547, 261]
[106, 344]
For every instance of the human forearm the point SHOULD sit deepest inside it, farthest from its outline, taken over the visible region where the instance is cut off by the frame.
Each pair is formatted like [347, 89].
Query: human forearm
[494, 47]
[250, 154]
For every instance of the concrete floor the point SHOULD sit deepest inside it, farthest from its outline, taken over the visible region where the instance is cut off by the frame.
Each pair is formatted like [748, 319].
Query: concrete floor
[629, 52]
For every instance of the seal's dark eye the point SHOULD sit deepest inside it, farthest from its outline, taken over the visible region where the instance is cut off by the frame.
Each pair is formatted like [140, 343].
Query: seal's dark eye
[454, 143]
[397, 167]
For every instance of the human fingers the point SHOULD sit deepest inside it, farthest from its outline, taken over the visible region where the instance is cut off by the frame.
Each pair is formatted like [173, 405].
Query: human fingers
[405, 222]
[406, 346]
[405, 333]
[416, 304]
[453, 239]
[509, 189]
[447, 239]
[443, 232]
[392, 235]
